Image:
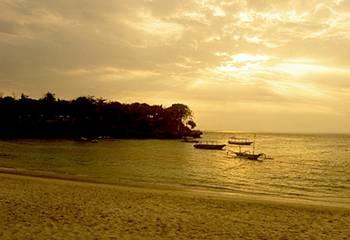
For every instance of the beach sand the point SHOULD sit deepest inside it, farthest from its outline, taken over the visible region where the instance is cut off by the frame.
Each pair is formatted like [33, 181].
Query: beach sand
[42, 208]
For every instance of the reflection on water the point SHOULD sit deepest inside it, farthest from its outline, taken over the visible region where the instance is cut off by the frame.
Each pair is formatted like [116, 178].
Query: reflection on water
[303, 166]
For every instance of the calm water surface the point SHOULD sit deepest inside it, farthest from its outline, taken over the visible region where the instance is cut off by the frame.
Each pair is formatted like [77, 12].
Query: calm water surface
[310, 167]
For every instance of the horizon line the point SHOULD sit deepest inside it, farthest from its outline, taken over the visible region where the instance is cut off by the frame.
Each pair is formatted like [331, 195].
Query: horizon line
[273, 132]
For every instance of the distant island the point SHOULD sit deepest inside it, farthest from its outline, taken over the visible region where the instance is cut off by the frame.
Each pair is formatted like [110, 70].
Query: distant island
[89, 117]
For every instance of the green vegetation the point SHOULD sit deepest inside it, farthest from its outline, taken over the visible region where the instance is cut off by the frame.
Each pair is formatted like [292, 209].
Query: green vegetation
[89, 117]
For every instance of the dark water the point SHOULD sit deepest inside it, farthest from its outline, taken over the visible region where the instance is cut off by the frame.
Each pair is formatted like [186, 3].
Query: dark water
[309, 167]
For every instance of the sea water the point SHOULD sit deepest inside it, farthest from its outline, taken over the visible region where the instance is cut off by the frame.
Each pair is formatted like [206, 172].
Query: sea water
[308, 167]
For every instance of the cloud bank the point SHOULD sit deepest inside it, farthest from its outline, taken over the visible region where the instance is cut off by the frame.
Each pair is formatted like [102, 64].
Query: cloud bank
[240, 65]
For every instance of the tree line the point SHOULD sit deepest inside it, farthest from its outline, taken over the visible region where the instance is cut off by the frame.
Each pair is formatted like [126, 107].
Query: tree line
[91, 117]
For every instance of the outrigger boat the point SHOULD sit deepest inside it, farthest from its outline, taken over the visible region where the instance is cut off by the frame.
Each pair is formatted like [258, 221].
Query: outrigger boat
[250, 155]
[210, 145]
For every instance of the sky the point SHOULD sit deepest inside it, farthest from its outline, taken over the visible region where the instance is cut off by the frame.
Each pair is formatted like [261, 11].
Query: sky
[241, 65]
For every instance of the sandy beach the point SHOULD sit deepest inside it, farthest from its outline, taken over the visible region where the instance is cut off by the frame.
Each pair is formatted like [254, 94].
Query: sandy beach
[42, 208]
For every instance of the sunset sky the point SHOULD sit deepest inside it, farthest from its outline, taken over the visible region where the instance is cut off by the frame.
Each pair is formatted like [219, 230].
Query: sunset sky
[248, 65]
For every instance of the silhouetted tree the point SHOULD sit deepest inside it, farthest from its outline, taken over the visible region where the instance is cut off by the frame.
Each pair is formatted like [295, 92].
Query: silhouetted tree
[49, 97]
[91, 117]
[191, 123]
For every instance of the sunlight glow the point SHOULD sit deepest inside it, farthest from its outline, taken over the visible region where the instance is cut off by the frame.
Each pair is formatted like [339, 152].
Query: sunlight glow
[248, 65]
[243, 57]
[294, 89]
[298, 69]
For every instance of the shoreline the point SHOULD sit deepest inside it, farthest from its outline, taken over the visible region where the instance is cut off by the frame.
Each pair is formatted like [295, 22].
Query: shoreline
[173, 189]
[48, 208]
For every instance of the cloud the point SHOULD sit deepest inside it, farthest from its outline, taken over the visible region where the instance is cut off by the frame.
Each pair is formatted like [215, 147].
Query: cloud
[250, 55]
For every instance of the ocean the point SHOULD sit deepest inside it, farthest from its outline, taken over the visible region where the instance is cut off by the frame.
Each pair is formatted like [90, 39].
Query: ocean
[314, 168]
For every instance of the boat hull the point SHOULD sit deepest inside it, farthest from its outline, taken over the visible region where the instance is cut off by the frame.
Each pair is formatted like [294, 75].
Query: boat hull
[249, 156]
[239, 143]
[190, 140]
[209, 146]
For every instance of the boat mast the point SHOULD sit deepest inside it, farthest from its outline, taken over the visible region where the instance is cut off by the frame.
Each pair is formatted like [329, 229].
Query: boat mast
[254, 144]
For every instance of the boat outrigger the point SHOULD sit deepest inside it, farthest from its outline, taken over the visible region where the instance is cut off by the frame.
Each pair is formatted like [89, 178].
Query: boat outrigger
[210, 145]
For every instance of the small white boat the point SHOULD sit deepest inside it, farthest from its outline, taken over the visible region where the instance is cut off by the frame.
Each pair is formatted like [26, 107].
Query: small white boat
[189, 140]
[240, 141]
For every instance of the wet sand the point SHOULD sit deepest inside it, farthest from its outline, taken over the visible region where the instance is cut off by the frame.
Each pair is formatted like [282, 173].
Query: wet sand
[48, 208]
